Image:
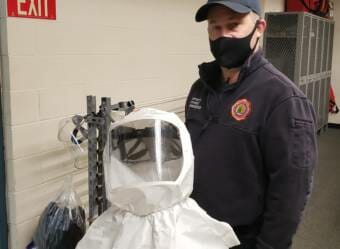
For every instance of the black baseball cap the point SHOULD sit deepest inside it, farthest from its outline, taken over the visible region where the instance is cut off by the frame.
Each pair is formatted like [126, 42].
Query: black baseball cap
[239, 6]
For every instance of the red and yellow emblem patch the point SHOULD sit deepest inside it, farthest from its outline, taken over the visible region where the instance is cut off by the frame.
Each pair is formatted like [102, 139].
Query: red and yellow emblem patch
[241, 109]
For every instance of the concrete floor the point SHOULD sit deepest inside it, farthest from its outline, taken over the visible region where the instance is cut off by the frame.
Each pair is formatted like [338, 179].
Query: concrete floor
[320, 228]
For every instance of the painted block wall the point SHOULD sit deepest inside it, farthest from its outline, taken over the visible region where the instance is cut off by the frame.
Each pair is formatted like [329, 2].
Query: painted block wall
[145, 50]
[273, 5]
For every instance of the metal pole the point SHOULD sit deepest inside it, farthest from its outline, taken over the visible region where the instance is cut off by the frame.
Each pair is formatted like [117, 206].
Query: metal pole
[100, 121]
[92, 156]
[105, 112]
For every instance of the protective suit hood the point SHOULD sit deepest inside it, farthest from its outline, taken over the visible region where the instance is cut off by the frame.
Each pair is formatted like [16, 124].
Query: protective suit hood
[142, 198]
[148, 163]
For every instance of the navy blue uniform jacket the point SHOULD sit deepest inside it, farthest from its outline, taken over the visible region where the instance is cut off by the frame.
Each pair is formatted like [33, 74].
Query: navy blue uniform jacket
[255, 150]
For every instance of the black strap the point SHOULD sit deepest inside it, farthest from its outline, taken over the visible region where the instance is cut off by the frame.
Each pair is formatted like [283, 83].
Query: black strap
[135, 153]
[74, 139]
[78, 121]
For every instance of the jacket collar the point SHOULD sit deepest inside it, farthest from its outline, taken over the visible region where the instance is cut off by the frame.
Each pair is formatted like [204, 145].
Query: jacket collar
[211, 73]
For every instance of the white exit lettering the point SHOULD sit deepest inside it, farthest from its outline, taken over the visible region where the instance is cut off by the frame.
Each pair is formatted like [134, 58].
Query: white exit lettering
[33, 9]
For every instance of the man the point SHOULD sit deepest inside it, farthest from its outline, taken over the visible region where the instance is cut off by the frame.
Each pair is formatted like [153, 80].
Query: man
[253, 132]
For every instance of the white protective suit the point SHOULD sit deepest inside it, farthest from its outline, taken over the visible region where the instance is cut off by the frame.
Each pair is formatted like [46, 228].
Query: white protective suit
[149, 178]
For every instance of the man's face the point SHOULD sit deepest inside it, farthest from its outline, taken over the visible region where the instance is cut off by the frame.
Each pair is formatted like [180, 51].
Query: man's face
[223, 21]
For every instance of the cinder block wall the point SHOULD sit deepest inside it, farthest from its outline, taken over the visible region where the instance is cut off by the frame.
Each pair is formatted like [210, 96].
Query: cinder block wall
[273, 5]
[146, 50]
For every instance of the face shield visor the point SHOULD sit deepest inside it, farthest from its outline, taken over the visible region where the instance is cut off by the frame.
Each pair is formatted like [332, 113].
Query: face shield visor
[146, 150]
[72, 132]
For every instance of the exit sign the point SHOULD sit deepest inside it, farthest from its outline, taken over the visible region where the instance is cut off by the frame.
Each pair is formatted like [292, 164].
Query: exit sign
[40, 9]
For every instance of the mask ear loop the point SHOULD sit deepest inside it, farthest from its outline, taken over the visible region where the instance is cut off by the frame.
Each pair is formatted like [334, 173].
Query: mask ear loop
[258, 39]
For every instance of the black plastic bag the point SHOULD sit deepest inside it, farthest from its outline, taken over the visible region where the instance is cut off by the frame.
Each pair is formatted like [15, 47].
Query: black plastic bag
[62, 224]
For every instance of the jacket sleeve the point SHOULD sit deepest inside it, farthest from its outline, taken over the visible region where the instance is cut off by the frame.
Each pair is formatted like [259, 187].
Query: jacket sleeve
[290, 153]
[187, 101]
[186, 107]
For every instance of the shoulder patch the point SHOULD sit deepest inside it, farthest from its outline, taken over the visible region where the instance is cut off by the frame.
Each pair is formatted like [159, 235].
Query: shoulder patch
[195, 103]
[241, 109]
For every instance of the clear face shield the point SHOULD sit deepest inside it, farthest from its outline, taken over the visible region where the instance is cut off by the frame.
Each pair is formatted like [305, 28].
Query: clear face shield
[72, 132]
[147, 150]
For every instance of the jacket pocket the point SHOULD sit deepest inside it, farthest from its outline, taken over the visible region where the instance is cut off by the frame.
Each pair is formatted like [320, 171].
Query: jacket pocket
[304, 147]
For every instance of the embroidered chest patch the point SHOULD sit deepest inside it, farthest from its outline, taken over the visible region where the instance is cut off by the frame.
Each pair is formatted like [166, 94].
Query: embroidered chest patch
[241, 109]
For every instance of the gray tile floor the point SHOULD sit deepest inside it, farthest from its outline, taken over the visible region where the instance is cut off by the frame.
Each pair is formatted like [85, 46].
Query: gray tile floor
[320, 228]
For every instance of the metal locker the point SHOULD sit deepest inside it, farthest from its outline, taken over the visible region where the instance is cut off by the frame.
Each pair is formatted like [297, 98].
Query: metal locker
[300, 45]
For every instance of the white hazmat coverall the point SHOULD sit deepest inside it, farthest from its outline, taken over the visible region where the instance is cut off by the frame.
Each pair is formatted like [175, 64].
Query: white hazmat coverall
[148, 163]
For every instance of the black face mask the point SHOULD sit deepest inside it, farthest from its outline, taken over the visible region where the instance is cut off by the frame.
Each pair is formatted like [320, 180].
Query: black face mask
[232, 52]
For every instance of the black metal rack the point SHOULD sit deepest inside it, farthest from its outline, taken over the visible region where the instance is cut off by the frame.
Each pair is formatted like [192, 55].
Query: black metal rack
[98, 127]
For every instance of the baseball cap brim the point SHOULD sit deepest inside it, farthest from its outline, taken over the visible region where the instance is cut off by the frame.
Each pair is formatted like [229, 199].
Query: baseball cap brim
[202, 13]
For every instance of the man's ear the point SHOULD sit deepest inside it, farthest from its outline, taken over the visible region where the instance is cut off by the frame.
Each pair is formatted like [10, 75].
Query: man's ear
[261, 26]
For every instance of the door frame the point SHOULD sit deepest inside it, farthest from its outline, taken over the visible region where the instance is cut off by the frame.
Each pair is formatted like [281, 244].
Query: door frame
[3, 209]
[3, 190]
